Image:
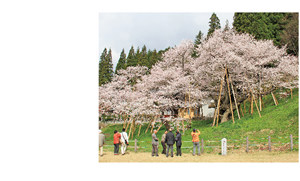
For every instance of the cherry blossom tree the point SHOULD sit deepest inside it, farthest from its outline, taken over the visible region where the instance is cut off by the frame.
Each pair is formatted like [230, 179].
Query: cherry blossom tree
[253, 65]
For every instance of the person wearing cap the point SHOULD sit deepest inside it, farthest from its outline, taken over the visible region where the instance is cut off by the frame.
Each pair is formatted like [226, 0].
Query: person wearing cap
[178, 143]
[163, 137]
[101, 141]
[170, 140]
[154, 144]
[196, 141]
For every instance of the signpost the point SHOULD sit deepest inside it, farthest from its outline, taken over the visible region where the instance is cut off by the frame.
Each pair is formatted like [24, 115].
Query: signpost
[224, 146]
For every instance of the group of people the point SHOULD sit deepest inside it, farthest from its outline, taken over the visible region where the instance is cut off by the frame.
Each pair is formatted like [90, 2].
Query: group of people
[119, 139]
[168, 138]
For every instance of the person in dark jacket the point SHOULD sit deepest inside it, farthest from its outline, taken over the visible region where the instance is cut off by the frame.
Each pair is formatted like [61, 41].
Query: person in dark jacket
[170, 140]
[178, 143]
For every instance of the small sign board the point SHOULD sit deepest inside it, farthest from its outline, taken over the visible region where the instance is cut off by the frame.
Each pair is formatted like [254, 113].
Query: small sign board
[224, 146]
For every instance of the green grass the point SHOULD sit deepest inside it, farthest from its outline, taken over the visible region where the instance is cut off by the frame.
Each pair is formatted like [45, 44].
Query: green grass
[278, 122]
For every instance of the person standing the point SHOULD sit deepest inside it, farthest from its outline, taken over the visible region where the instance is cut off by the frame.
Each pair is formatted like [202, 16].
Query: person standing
[154, 144]
[195, 141]
[178, 143]
[117, 137]
[124, 140]
[101, 141]
[163, 138]
[170, 140]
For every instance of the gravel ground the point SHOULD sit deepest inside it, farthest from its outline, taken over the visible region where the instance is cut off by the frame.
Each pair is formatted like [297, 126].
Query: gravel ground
[260, 156]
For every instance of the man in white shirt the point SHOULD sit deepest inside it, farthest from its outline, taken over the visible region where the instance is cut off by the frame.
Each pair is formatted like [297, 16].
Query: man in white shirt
[123, 138]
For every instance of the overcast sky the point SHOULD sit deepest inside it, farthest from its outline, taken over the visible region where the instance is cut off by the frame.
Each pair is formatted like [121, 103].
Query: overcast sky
[155, 30]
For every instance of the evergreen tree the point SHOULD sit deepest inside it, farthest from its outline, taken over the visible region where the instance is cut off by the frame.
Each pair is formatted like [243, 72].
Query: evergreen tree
[197, 42]
[143, 60]
[122, 61]
[131, 61]
[105, 67]
[137, 56]
[214, 23]
[102, 67]
[290, 33]
[149, 54]
[109, 71]
[261, 25]
[153, 58]
[226, 25]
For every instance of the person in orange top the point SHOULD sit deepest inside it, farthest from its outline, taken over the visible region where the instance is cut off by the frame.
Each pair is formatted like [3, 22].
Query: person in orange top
[196, 141]
[117, 137]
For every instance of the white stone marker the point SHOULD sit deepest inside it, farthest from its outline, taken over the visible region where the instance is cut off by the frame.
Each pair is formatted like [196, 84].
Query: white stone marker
[224, 146]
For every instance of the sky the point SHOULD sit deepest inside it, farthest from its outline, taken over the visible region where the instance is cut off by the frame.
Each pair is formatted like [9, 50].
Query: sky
[155, 30]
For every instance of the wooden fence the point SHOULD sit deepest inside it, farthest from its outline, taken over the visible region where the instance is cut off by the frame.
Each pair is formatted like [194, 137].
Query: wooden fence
[231, 143]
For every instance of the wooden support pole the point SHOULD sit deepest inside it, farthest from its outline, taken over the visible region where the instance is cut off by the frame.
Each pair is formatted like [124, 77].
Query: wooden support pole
[217, 110]
[247, 143]
[245, 106]
[274, 98]
[152, 127]
[232, 115]
[269, 143]
[291, 137]
[241, 110]
[149, 124]
[159, 127]
[260, 108]
[139, 129]
[234, 98]
[133, 128]
[130, 129]
[135, 145]
[249, 104]
[202, 145]
[253, 96]
[291, 93]
[124, 125]
[127, 124]
[256, 106]
[183, 127]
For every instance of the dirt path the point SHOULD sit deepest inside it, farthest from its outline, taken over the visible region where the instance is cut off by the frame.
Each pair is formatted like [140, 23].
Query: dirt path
[262, 156]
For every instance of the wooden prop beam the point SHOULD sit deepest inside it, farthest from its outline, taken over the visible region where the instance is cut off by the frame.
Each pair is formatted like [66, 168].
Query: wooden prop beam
[139, 129]
[245, 106]
[133, 128]
[130, 129]
[149, 125]
[219, 100]
[234, 98]
[127, 124]
[274, 98]
[232, 115]
[241, 110]
[252, 95]
[124, 124]
[182, 126]
[159, 126]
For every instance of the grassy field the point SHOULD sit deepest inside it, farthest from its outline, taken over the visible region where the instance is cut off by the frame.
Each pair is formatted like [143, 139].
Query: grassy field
[278, 122]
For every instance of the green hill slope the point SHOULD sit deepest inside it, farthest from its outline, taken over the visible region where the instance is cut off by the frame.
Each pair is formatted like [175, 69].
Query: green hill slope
[278, 122]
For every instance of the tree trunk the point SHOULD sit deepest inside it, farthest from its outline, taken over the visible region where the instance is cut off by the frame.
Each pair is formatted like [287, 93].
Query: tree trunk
[225, 116]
